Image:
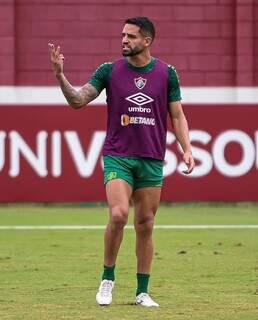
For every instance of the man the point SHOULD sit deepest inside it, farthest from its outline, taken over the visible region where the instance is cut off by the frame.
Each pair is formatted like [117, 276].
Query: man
[141, 91]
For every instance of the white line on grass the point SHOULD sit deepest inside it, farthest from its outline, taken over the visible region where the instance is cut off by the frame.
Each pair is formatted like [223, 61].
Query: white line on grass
[101, 227]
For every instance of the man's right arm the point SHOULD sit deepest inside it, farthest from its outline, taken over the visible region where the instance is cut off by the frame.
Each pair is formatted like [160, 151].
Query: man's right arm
[75, 98]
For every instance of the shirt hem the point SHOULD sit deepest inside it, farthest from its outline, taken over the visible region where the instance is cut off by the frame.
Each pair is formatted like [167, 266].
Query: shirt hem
[136, 155]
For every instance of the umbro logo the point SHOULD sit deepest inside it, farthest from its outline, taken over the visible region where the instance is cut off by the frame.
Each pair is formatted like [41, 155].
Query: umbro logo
[139, 99]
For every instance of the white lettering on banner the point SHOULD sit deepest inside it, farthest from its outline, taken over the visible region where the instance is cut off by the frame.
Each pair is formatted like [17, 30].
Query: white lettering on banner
[18, 146]
[2, 149]
[85, 161]
[56, 152]
[247, 160]
[217, 156]
[85, 165]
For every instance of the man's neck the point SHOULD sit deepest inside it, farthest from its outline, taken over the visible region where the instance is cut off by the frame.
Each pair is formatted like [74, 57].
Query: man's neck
[140, 60]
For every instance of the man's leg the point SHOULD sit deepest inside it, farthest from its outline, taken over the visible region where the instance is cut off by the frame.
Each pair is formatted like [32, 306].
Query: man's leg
[146, 201]
[118, 193]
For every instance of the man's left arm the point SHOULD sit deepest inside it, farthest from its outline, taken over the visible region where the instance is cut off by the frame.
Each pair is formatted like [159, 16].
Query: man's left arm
[180, 125]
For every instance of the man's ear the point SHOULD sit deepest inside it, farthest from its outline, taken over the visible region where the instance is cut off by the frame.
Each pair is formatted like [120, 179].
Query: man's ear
[148, 41]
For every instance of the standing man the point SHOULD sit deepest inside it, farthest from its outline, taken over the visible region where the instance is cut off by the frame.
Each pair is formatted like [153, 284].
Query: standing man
[141, 92]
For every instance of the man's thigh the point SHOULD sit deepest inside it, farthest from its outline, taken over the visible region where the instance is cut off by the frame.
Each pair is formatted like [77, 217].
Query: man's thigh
[118, 193]
[146, 202]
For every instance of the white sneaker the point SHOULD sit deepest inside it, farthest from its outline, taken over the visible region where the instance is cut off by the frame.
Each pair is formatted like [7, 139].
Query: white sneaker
[104, 295]
[145, 300]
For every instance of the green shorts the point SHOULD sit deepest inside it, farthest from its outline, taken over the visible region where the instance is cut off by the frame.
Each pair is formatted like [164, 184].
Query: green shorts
[138, 172]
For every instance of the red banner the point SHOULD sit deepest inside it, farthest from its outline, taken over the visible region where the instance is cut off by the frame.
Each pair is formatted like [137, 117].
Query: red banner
[53, 154]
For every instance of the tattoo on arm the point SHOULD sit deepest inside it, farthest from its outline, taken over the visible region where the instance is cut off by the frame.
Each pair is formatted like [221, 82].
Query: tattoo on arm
[77, 98]
[88, 93]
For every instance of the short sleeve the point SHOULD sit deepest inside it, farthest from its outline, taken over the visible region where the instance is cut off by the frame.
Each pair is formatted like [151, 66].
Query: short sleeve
[174, 92]
[101, 76]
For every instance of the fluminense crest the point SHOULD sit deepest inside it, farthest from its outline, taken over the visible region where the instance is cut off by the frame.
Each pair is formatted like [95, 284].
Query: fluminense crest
[140, 82]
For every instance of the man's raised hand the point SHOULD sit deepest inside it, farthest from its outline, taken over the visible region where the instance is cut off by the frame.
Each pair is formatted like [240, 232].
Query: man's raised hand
[56, 58]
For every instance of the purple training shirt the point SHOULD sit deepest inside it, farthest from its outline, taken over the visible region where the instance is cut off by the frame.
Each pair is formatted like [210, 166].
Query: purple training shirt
[137, 111]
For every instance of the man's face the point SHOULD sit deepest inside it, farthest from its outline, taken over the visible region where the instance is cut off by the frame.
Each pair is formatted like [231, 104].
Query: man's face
[133, 42]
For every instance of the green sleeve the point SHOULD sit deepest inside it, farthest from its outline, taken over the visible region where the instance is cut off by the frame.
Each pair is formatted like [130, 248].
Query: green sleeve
[174, 92]
[101, 76]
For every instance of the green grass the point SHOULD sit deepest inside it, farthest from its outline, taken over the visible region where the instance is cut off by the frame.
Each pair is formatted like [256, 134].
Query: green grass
[54, 274]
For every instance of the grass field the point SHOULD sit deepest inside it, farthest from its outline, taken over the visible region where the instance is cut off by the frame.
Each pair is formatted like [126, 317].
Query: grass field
[197, 274]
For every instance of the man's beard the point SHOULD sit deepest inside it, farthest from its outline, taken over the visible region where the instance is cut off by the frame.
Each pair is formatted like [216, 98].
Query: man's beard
[133, 52]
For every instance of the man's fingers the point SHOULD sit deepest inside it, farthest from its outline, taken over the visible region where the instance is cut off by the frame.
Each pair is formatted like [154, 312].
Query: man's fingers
[55, 53]
[51, 49]
[58, 51]
[190, 165]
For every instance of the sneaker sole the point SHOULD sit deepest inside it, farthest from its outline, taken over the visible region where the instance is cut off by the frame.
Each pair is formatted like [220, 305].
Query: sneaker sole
[140, 304]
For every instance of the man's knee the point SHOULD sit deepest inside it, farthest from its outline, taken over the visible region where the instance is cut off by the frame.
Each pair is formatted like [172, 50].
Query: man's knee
[144, 226]
[118, 216]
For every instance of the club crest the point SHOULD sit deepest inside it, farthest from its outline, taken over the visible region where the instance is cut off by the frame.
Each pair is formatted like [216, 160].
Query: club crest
[140, 82]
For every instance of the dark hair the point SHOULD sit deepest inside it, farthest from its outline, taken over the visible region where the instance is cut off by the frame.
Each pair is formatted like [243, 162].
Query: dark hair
[145, 24]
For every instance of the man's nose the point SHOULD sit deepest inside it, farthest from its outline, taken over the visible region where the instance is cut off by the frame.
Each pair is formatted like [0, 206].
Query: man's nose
[125, 39]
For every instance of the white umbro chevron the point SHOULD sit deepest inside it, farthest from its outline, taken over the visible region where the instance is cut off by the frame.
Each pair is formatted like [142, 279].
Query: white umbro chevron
[139, 99]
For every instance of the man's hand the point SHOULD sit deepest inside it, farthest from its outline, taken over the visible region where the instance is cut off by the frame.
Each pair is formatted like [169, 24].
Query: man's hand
[189, 161]
[57, 59]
